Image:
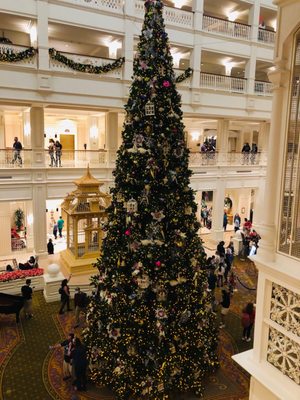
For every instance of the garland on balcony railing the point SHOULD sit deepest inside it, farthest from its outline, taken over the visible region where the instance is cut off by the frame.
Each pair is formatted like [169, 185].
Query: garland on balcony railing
[187, 74]
[89, 68]
[8, 55]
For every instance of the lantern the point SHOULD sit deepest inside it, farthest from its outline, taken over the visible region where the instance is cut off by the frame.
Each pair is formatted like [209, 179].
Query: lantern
[132, 206]
[149, 109]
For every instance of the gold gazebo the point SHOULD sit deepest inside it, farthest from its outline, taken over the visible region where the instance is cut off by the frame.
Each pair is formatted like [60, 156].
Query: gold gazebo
[85, 213]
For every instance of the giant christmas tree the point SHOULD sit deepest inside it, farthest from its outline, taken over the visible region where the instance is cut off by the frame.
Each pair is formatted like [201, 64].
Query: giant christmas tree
[149, 328]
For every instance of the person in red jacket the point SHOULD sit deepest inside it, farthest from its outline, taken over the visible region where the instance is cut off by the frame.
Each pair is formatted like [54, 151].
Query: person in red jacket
[248, 317]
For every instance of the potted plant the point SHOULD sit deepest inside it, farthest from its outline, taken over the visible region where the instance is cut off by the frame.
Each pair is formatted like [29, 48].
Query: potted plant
[19, 218]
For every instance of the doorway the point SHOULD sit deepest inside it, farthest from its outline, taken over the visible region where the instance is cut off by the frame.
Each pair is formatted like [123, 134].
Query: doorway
[68, 146]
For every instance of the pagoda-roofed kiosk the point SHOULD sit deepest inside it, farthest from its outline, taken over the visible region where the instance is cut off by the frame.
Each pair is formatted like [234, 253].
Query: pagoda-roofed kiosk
[85, 212]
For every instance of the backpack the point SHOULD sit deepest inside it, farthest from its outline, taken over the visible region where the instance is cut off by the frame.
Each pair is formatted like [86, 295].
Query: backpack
[60, 291]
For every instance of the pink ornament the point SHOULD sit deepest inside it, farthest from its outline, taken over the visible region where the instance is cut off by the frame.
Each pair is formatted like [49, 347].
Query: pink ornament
[128, 232]
[158, 263]
[166, 84]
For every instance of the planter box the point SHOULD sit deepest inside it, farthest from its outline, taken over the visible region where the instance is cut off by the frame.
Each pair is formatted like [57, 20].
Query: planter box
[14, 287]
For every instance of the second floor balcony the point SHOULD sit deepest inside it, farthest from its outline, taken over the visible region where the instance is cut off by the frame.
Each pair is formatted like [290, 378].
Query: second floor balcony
[9, 159]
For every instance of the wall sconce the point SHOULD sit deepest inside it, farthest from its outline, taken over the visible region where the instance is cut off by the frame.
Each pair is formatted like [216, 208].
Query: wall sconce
[113, 48]
[27, 129]
[57, 210]
[195, 136]
[46, 209]
[232, 16]
[29, 219]
[55, 136]
[93, 132]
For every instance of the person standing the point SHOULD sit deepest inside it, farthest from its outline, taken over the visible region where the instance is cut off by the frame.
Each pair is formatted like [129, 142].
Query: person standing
[64, 292]
[80, 302]
[60, 225]
[236, 222]
[17, 146]
[225, 303]
[225, 221]
[79, 357]
[68, 346]
[55, 229]
[51, 149]
[58, 149]
[50, 247]
[248, 317]
[26, 291]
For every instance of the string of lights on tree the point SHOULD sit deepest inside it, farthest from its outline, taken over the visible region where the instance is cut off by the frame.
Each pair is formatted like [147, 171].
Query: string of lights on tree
[7, 54]
[150, 328]
[88, 68]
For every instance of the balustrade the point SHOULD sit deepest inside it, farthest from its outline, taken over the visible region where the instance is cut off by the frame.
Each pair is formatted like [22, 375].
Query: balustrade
[263, 88]
[230, 159]
[172, 16]
[222, 82]
[84, 59]
[108, 5]
[266, 36]
[225, 27]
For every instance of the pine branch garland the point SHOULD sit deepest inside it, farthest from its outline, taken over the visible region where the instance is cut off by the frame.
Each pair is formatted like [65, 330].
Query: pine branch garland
[185, 75]
[8, 55]
[87, 68]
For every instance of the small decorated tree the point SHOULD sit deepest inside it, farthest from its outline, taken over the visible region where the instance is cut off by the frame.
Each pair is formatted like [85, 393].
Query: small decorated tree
[150, 330]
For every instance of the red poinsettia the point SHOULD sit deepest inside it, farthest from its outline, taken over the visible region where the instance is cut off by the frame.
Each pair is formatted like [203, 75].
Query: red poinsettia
[20, 274]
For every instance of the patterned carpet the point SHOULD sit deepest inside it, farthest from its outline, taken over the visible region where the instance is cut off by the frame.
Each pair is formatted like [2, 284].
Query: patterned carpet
[29, 370]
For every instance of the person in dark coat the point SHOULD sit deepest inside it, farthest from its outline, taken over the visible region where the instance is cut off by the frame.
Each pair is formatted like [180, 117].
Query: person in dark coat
[50, 247]
[80, 363]
[64, 292]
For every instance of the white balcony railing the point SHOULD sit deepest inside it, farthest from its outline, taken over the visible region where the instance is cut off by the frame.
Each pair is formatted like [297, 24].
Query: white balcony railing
[11, 159]
[84, 59]
[226, 159]
[222, 82]
[80, 158]
[266, 36]
[263, 88]
[26, 62]
[225, 27]
[107, 5]
[172, 16]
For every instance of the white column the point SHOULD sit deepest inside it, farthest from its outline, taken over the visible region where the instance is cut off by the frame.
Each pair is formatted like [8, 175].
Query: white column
[198, 8]
[275, 147]
[29, 225]
[258, 202]
[2, 131]
[196, 62]
[5, 223]
[111, 135]
[39, 218]
[250, 70]
[26, 130]
[128, 42]
[37, 136]
[253, 20]
[42, 34]
[218, 211]
[222, 139]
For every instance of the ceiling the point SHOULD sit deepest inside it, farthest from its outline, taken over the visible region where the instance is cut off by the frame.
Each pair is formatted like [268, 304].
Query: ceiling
[221, 9]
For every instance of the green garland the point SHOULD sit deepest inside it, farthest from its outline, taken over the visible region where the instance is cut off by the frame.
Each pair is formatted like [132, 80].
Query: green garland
[89, 68]
[187, 74]
[8, 55]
